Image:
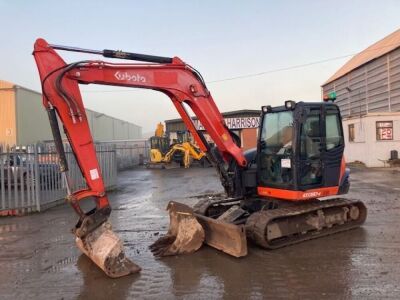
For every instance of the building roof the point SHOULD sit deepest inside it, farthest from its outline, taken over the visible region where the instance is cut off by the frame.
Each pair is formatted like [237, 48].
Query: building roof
[380, 48]
[5, 85]
[224, 114]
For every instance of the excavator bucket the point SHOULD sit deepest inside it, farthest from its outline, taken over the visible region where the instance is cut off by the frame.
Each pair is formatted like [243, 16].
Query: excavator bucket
[106, 250]
[185, 234]
[188, 230]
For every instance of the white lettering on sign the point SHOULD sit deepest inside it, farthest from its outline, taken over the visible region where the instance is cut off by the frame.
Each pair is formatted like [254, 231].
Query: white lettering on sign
[384, 124]
[94, 174]
[311, 194]
[125, 76]
[235, 123]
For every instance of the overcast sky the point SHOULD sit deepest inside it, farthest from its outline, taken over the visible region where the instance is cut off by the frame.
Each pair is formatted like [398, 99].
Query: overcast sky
[222, 39]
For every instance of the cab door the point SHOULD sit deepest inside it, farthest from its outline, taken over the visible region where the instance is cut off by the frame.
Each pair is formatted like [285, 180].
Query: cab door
[333, 146]
[321, 147]
[310, 171]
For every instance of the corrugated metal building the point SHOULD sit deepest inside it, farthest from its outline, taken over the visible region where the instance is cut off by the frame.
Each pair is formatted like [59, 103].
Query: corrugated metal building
[368, 93]
[242, 122]
[24, 121]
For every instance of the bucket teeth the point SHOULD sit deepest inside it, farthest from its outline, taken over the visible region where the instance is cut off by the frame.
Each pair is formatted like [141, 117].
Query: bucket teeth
[106, 250]
[185, 234]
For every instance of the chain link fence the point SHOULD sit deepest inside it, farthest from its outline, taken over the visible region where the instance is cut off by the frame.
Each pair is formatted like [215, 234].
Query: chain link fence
[130, 153]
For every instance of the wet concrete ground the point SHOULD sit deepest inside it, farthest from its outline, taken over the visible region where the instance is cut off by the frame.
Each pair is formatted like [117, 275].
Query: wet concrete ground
[39, 260]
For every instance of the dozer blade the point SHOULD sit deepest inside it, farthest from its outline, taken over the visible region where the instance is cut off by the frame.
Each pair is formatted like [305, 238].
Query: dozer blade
[223, 236]
[185, 234]
[105, 249]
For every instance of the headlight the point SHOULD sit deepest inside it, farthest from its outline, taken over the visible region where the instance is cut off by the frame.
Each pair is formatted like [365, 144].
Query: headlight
[290, 104]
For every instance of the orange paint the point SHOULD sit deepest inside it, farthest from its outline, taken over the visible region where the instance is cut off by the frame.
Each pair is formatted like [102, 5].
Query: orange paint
[297, 195]
[342, 169]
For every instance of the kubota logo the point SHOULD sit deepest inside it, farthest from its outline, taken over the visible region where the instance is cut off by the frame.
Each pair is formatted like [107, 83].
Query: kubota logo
[129, 77]
[311, 194]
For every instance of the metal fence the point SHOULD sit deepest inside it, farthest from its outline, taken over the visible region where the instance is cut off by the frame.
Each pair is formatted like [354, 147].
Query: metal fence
[30, 179]
[130, 153]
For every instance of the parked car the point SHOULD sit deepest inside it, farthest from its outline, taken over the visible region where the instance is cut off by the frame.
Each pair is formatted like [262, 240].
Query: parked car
[13, 166]
[18, 172]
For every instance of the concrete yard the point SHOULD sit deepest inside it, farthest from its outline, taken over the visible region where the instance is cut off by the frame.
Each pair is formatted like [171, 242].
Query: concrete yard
[39, 260]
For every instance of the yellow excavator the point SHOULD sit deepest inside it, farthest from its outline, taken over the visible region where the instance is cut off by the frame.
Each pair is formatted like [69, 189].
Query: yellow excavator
[161, 153]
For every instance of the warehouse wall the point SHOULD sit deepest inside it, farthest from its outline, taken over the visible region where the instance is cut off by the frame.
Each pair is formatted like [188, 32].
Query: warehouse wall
[23, 120]
[8, 133]
[100, 125]
[32, 120]
[106, 128]
[366, 95]
[134, 131]
[120, 130]
[365, 147]
[374, 87]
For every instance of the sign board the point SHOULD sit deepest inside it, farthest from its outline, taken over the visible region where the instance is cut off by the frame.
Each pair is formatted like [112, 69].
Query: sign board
[235, 123]
[384, 130]
[285, 163]
[386, 133]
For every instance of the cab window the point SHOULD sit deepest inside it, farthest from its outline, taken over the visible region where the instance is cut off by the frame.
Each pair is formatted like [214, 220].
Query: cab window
[334, 136]
[277, 131]
[276, 148]
[311, 150]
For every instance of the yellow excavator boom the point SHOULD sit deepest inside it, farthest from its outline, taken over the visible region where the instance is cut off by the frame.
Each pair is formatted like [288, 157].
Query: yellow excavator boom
[159, 130]
[189, 151]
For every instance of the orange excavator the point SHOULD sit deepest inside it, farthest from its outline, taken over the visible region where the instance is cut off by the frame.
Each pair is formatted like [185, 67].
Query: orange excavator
[273, 193]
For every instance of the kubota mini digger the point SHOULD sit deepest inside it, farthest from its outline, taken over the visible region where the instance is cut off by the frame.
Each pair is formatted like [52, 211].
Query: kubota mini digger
[272, 192]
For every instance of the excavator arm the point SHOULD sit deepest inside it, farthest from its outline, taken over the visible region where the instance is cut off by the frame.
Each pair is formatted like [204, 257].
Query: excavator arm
[61, 97]
[187, 149]
[194, 151]
[180, 82]
[175, 148]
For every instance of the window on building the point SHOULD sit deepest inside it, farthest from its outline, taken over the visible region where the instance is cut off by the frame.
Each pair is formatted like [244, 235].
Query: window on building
[351, 133]
[384, 130]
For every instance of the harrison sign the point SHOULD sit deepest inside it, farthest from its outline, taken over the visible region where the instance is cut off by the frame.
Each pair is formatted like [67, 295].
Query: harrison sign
[235, 123]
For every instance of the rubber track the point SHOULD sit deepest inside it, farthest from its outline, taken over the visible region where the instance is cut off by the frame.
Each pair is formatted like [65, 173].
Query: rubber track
[257, 223]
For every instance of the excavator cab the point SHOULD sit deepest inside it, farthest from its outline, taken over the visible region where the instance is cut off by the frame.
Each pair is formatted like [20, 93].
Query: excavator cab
[300, 151]
[159, 145]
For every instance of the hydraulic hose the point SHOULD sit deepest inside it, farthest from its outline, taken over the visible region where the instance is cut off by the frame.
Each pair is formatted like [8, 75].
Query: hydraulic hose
[55, 129]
